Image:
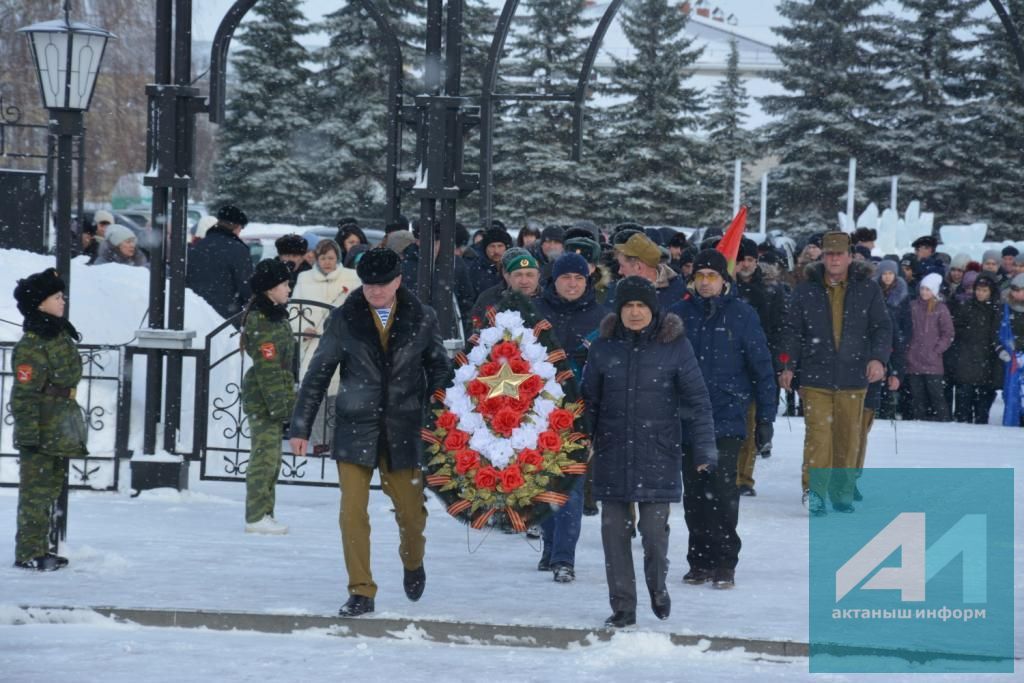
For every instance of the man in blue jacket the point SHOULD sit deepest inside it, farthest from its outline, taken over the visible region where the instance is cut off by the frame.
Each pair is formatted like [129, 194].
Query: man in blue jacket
[733, 356]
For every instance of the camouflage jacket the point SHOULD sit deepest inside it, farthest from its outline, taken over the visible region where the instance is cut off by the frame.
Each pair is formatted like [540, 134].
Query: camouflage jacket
[46, 416]
[268, 387]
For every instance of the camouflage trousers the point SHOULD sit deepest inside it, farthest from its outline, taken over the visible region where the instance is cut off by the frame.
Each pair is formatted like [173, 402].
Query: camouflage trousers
[264, 466]
[39, 486]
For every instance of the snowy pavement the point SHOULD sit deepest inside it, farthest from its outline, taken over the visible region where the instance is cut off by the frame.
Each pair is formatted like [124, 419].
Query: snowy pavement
[187, 551]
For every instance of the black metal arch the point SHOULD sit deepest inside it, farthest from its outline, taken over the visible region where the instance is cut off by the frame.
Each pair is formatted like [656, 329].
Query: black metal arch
[1011, 34]
[218, 85]
[488, 97]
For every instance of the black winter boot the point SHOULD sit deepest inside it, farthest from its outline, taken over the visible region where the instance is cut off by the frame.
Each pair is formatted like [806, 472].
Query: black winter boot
[620, 619]
[414, 583]
[356, 606]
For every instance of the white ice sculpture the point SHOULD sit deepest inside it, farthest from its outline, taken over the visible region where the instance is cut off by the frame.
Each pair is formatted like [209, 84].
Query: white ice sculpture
[895, 234]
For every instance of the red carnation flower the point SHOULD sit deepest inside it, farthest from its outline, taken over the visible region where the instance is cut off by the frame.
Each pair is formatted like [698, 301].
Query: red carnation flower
[560, 419]
[531, 457]
[549, 441]
[505, 350]
[784, 358]
[447, 420]
[505, 420]
[456, 440]
[466, 460]
[487, 478]
[511, 478]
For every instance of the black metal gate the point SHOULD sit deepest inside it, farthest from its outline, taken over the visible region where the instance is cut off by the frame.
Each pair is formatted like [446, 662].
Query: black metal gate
[222, 429]
[98, 394]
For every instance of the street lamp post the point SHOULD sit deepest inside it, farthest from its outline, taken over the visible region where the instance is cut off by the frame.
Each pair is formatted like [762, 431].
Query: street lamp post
[67, 56]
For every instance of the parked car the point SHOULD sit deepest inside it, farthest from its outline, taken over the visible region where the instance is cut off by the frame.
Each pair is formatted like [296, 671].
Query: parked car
[260, 237]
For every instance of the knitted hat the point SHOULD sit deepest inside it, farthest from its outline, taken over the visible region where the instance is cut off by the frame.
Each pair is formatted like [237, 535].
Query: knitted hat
[1019, 261]
[712, 259]
[640, 246]
[232, 214]
[379, 266]
[518, 261]
[37, 288]
[269, 273]
[635, 288]
[102, 217]
[984, 280]
[585, 247]
[1010, 250]
[991, 255]
[117, 234]
[960, 261]
[311, 239]
[886, 266]
[748, 247]
[570, 263]
[932, 281]
[1017, 282]
[291, 245]
[552, 233]
[496, 235]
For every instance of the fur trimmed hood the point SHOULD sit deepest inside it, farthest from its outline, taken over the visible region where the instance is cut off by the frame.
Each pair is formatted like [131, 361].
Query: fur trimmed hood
[668, 327]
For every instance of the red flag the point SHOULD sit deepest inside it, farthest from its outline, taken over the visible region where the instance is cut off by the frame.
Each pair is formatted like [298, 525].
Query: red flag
[729, 246]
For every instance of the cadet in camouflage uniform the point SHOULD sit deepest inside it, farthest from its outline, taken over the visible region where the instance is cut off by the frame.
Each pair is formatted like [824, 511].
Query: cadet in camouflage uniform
[268, 390]
[48, 422]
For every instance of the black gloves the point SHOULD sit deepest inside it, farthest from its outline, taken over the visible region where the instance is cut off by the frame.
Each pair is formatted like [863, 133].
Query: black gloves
[763, 434]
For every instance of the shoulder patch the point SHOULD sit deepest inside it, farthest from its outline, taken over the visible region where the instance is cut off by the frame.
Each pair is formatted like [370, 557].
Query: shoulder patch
[268, 350]
[24, 374]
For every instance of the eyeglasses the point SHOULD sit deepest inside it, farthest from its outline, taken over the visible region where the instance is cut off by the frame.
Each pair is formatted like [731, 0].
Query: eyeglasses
[708, 276]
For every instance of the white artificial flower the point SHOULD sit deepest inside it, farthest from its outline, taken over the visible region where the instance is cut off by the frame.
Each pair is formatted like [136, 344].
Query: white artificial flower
[508, 320]
[490, 337]
[465, 374]
[544, 370]
[555, 389]
[500, 453]
[478, 355]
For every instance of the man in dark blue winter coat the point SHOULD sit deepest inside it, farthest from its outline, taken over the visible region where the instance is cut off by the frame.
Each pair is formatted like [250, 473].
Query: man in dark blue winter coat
[219, 265]
[733, 356]
[640, 382]
[485, 272]
[568, 302]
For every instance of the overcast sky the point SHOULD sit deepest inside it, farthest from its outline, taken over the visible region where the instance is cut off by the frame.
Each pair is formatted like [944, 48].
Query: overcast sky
[756, 17]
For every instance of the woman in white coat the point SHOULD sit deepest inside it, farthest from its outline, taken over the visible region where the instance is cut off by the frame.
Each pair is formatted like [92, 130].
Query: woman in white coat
[329, 283]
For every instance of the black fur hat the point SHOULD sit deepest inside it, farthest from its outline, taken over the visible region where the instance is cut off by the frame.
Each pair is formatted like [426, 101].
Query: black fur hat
[37, 288]
[291, 245]
[269, 273]
[232, 214]
[379, 266]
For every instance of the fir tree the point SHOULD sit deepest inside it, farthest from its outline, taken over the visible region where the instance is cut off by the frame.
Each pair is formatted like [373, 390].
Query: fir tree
[348, 171]
[660, 166]
[997, 170]
[726, 133]
[533, 174]
[934, 142]
[831, 111]
[267, 112]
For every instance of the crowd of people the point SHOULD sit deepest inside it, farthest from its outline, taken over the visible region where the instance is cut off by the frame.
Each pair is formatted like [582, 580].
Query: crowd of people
[681, 358]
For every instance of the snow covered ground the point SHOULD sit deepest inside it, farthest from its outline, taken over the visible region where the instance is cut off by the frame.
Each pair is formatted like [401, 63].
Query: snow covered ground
[186, 550]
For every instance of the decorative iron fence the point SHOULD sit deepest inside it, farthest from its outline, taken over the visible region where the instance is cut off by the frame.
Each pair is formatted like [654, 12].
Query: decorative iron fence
[98, 396]
[222, 429]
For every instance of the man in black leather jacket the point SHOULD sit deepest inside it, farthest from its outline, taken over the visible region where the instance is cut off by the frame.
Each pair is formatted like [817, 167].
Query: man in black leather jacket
[388, 349]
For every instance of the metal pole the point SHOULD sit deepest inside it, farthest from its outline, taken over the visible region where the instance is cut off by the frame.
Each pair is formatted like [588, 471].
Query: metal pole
[764, 204]
[64, 127]
[894, 193]
[851, 187]
[736, 178]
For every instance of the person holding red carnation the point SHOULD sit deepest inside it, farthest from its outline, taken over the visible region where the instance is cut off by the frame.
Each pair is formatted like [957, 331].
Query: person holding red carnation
[569, 303]
[641, 384]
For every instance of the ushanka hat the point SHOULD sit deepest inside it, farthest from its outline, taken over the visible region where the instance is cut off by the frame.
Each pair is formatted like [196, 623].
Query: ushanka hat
[37, 288]
[379, 266]
[269, 273]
